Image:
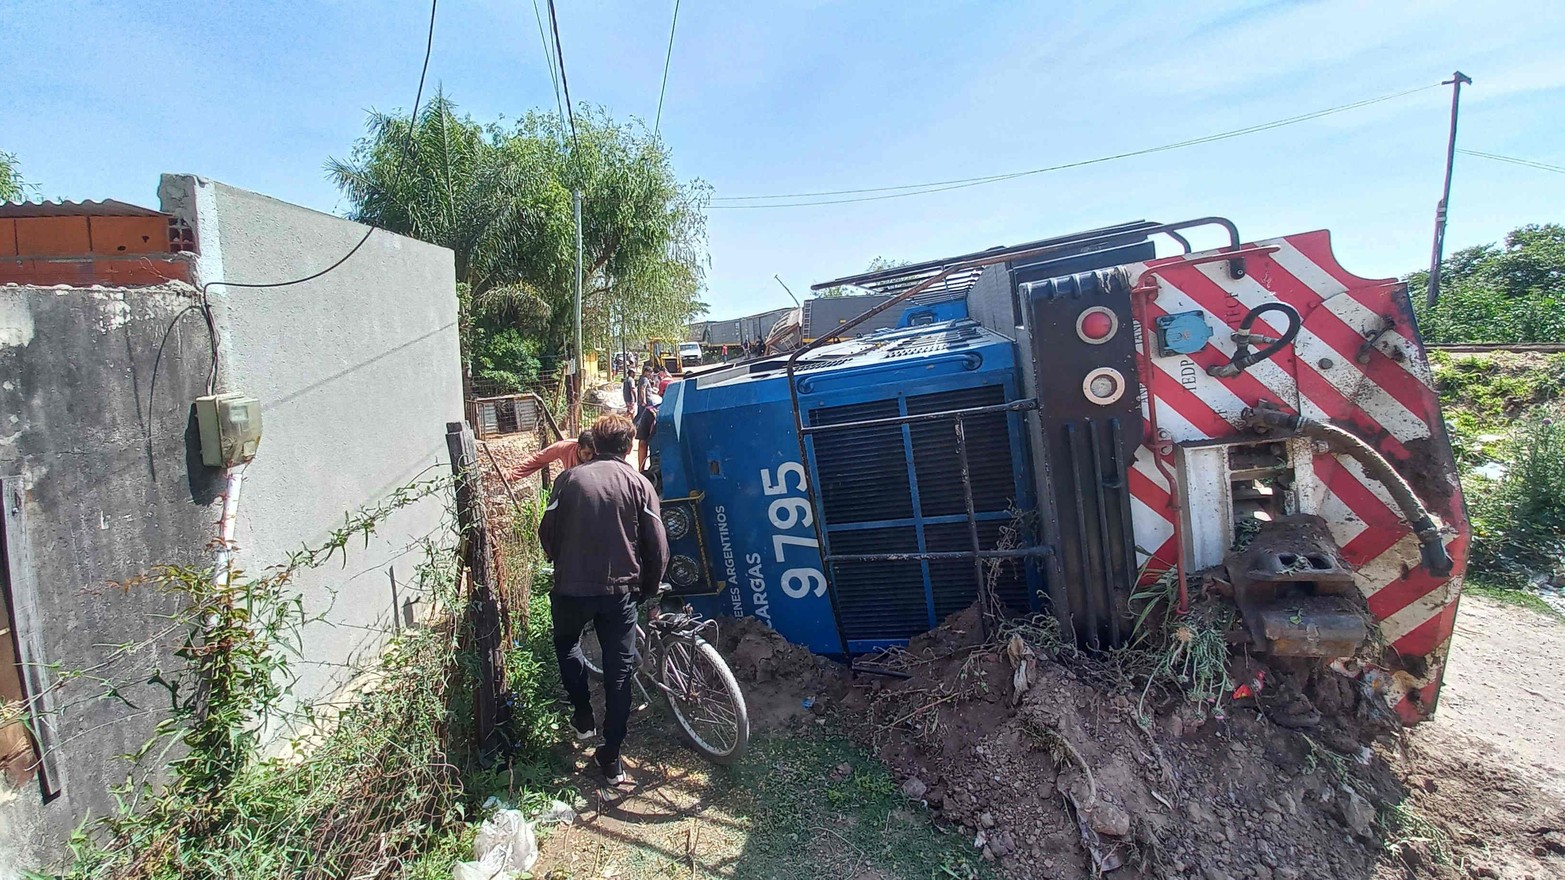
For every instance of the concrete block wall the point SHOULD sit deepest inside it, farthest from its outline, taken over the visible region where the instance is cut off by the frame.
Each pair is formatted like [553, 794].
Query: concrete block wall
[357, 373]
[101, 485]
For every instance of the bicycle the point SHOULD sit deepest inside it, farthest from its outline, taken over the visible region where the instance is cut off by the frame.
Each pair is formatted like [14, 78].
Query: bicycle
[700, 688]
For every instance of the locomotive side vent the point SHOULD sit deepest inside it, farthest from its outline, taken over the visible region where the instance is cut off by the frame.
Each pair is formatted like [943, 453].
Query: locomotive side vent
[897, 489]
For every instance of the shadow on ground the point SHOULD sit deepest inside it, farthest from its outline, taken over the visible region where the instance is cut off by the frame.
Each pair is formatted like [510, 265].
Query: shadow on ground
[800, 804]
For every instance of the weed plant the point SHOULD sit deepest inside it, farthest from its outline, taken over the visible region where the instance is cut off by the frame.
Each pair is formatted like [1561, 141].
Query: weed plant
[389, 787]
[1518, 521]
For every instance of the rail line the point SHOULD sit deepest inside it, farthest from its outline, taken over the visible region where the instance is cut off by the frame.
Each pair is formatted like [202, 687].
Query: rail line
[1477, 347]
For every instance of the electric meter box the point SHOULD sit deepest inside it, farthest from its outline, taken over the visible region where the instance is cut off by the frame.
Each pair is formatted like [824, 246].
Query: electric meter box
[230, 426]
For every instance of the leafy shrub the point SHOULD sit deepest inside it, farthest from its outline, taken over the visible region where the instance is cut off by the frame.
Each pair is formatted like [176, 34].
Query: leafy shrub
[1512, 292]
[505, 359]
[1519, 521]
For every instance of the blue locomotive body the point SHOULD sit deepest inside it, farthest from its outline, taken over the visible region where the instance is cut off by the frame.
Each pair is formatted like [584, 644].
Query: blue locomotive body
[743, 531]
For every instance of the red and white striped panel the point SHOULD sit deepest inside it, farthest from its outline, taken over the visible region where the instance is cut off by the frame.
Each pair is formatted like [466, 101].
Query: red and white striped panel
[1383, 392]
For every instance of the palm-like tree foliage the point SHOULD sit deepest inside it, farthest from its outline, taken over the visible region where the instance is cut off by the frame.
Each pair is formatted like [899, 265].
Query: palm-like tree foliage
[500, 198]
[12, 187]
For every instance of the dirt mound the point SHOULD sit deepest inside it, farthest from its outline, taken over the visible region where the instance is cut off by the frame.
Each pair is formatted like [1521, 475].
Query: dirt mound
[1054, 771]
[784, 684]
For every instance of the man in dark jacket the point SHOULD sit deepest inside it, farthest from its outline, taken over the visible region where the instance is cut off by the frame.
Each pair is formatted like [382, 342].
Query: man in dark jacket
[604, 533]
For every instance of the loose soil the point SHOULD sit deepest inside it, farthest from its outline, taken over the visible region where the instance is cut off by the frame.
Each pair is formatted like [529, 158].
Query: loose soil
[1065, 780]
[1505, 684]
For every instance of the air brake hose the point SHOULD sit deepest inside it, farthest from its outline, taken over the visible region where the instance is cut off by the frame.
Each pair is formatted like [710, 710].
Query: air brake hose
[1243, 358]
[1431, 549]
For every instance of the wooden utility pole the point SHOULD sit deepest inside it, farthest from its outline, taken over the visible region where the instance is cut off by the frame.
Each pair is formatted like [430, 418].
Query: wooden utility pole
[1457, 80]
[483, 606]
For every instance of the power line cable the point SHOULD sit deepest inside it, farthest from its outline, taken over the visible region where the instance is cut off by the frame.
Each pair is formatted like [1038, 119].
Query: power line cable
[914, 189]
[206, 306]
[559, 52]
[1527, 163]
[658, 123]
[548, 57]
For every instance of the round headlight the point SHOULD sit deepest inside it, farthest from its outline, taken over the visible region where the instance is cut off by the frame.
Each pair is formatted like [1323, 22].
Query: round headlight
[1104, 385]
[683, 572]
[1097, 325]
[676, 520]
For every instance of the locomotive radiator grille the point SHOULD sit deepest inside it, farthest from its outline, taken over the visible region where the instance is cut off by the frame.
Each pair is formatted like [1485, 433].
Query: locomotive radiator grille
[897, 489]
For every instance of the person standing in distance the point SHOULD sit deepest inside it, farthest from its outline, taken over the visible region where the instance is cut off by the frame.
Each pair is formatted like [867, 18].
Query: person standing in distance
[603, 530]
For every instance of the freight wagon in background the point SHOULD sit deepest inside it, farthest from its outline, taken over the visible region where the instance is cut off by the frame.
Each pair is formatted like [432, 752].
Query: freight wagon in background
[1073, 417]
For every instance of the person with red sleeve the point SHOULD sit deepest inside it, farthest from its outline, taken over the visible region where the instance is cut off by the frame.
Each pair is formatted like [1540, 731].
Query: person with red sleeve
[565, 453]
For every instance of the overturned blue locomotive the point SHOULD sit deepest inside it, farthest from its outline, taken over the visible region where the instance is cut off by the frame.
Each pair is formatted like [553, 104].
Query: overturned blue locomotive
[1054, 424]
[854, 494]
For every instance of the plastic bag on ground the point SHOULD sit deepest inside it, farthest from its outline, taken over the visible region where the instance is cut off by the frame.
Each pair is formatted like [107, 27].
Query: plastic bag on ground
[505, 845]
[558, 813]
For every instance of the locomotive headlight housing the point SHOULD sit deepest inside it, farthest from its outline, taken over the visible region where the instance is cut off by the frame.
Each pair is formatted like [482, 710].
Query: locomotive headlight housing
[1104, 385]
[683, 572]
[1096, 325]
[676, 521]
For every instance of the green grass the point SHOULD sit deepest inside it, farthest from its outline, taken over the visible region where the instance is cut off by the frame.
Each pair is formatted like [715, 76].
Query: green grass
[800, 809]
[787, 809]
[1520, 598]
[1482, 396]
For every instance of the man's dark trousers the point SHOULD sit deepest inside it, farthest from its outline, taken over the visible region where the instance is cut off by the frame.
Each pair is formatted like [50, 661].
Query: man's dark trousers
[614, 618]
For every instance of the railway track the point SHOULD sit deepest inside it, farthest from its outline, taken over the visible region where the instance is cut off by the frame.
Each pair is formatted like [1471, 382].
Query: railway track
[1477, 347]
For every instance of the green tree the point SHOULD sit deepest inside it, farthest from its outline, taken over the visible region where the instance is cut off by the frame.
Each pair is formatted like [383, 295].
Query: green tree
[12, 187]
[877, 264]
[1510, 292]
[500, 197]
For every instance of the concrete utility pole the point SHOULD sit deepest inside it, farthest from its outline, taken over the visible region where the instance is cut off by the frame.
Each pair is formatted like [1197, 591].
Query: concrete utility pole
[1457, 80]
[581, 355]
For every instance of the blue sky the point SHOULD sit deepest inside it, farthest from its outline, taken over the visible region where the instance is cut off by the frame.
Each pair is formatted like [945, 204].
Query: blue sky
[97, 99]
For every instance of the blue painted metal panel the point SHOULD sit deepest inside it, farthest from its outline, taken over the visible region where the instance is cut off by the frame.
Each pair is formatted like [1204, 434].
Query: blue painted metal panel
[728, 439]
[934, 313]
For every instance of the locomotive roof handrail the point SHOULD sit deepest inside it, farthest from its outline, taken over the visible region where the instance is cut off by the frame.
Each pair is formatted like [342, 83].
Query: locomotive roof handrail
[1013, 406]
[1008, 255]
[912, 272]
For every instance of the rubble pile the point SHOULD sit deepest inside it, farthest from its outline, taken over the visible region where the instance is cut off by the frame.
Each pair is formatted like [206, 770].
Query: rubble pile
[1051, 773]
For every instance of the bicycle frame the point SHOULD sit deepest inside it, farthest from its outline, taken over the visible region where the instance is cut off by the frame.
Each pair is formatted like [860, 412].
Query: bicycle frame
[653, 648]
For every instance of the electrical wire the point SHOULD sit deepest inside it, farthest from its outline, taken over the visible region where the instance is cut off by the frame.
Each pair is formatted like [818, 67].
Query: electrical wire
[658, 122]
[915, 189]
[559, 53]
[205, 306]
[548, 57]
[1526, 163]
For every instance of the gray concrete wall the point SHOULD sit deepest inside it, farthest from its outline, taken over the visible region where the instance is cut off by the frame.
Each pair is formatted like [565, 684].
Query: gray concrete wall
[357, 373]
[107, 488]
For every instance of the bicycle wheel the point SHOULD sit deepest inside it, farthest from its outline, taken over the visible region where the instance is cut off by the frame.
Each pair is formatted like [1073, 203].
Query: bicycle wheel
[707, 702]
[592, 651]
